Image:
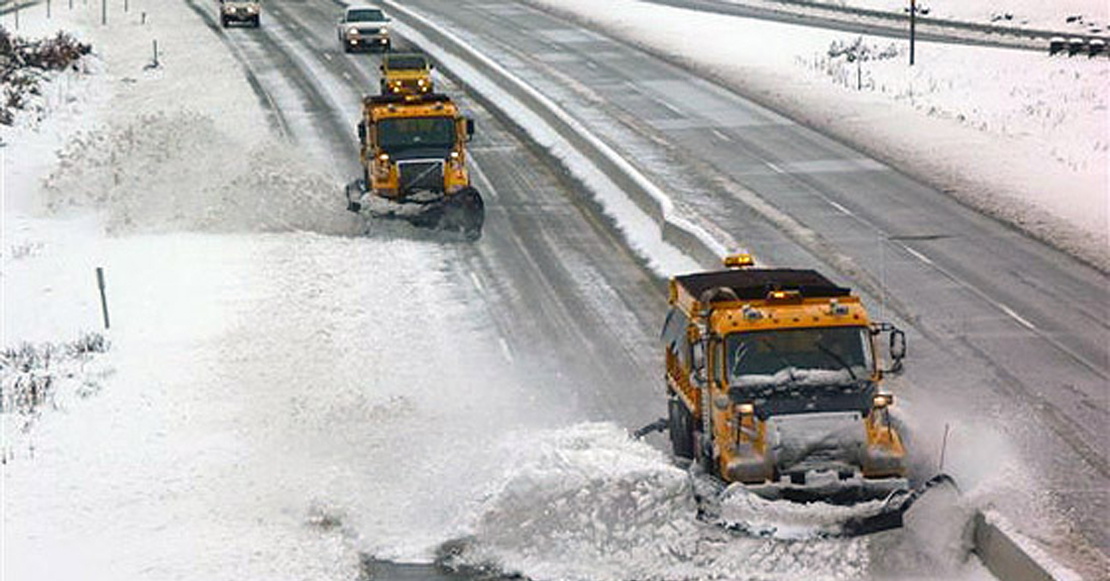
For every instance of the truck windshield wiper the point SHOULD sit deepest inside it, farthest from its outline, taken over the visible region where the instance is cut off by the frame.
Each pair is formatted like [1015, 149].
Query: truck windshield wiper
[840, 360]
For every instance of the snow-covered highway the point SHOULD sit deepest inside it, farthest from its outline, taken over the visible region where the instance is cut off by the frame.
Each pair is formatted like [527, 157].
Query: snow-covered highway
[295, 399]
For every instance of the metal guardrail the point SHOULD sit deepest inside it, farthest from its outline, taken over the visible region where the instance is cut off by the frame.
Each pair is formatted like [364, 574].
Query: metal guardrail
[902, 18]
[891, 24]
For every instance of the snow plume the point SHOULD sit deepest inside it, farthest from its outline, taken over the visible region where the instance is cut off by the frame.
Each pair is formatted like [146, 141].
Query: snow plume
[588, 502]
[180, 171]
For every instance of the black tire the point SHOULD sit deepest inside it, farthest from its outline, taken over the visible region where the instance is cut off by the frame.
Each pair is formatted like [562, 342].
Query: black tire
[703, 454]
[223, 22]
[680, 425]
[257, 21]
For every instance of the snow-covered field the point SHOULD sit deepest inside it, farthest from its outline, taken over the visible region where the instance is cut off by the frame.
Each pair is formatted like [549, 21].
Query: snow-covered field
[1017, 134]
[1072, 15]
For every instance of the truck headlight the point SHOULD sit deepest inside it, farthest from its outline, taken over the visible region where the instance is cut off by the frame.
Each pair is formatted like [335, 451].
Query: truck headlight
[252, 9]
[352, 32]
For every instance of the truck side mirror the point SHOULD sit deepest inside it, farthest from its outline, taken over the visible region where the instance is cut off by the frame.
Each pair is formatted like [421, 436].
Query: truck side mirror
[897, 344]
[897, 349]
[469, 129]
[362, 132]
[697, 361]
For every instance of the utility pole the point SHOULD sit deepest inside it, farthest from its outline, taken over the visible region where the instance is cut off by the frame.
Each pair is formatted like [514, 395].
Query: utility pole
[913, 27]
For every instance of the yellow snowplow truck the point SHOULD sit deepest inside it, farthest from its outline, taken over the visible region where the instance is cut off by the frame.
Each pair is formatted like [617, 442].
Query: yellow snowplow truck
[405, 74]
[413, 153]
[773, 381]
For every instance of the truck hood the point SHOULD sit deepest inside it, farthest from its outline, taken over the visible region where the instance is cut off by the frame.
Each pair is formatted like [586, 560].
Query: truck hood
[817, 441]
[439, 153]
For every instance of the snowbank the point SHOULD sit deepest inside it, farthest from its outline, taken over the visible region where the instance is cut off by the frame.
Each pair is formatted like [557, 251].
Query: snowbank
[587, 502]
[1013, 133]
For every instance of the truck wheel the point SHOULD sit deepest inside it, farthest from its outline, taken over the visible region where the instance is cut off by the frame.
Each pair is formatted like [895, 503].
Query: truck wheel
[257, 21]
[680, 425]
[703, 454]
[223, 22]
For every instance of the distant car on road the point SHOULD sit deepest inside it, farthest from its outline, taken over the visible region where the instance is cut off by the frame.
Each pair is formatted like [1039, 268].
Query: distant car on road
[248, 11]
[364, 27]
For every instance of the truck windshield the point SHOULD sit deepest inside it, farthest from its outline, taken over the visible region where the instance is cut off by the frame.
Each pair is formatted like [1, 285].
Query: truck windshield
[365, 15]
[416, 133]
[406, 62]
[798, 357]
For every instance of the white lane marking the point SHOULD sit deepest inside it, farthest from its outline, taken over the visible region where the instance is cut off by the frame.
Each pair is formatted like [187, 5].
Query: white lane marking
[477, 283]
[672, 108]
[1013, 315]
[919, 256]
[327, 56]
[775, 168]
[346, 75]
[842, 209]
[505, 351]
[591, 65]
[721, 135]
[1006, 309]
[481, 175]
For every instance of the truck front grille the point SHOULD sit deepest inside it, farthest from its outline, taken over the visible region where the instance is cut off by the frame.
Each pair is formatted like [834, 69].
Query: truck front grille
[421, 175]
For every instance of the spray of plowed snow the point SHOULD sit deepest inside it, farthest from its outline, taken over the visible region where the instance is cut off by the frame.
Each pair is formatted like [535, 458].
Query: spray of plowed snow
[167, 171]
[587, 502]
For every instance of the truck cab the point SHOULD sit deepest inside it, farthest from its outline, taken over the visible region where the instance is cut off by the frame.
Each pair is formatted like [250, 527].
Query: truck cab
[414, 158]
[406, 74]
[774, 381]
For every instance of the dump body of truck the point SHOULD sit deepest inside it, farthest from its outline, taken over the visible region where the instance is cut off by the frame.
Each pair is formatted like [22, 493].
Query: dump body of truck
[773, 381]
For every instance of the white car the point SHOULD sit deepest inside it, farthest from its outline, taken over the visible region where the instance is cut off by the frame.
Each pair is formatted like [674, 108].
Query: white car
[364, 27]
[248, 11]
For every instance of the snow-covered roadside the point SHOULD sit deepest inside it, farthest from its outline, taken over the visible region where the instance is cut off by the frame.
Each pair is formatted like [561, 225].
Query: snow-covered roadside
[145, 479]
[1027, 142]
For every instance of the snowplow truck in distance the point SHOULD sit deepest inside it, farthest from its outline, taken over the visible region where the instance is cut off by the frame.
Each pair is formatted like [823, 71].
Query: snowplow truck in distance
[413, 154]
[405, 74]
[773, 381]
